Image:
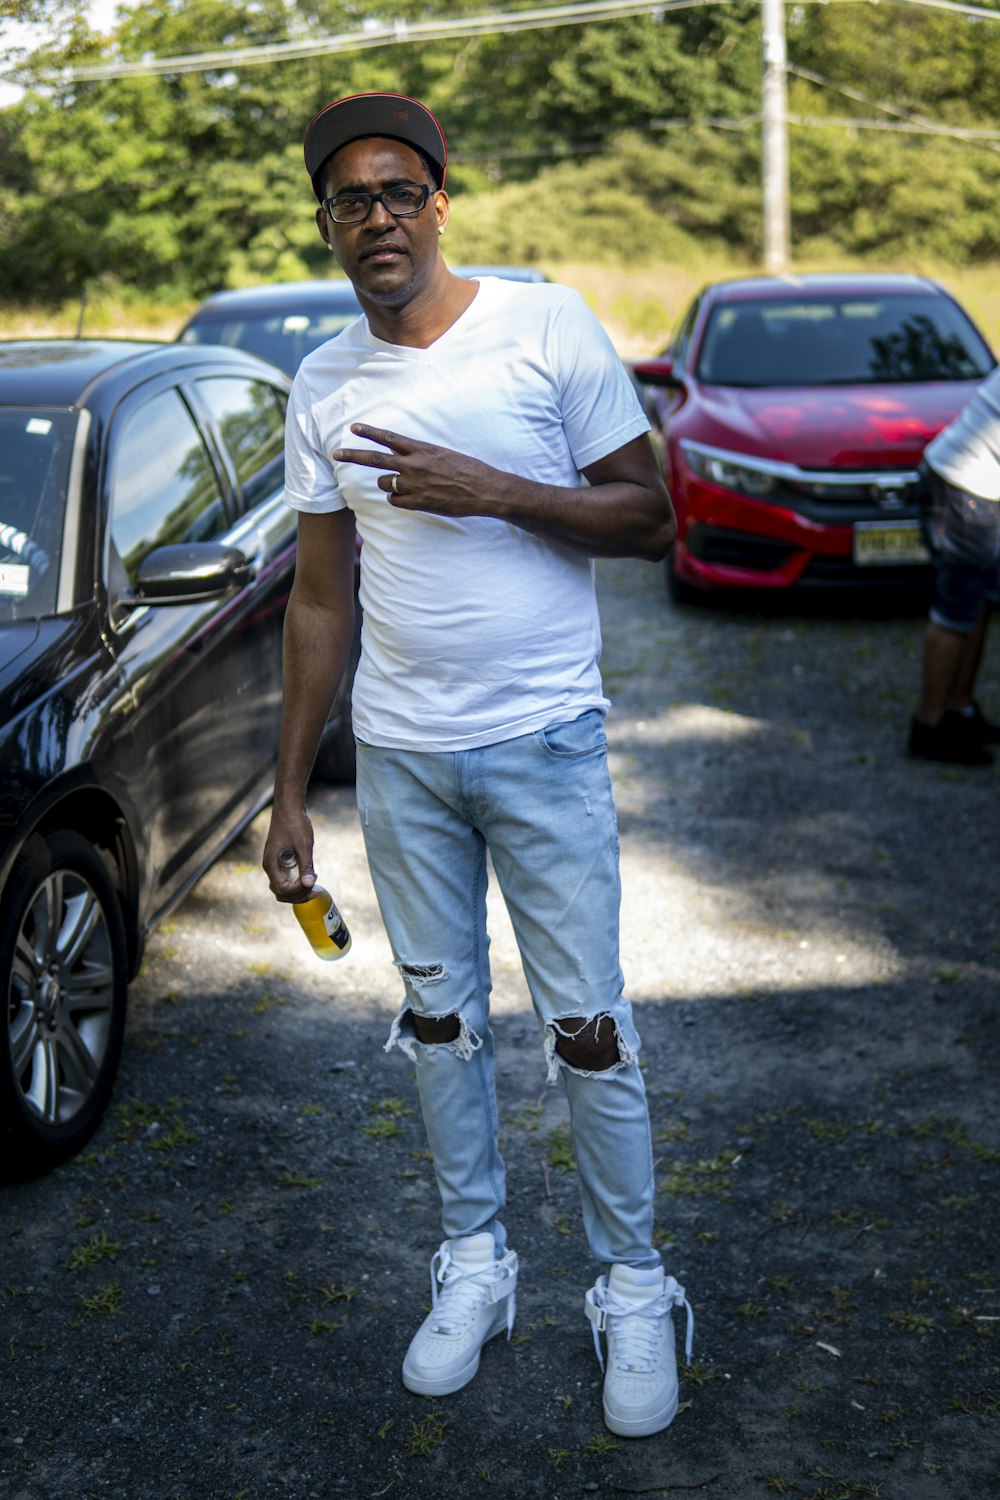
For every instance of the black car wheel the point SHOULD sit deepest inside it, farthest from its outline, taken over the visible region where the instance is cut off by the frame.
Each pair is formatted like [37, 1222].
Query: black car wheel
[63, 971]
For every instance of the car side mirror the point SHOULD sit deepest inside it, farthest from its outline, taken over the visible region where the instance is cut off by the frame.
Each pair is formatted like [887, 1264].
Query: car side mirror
[657, 372]
[188, 574]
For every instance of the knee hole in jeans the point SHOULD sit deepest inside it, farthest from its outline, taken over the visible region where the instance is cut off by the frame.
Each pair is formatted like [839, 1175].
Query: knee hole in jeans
[431, 1029]
[586, 1044]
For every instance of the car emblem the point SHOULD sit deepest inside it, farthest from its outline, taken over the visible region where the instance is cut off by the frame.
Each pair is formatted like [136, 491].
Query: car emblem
[889, 497]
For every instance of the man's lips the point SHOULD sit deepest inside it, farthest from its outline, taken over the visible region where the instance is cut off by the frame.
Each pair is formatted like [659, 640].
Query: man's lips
[383, 253]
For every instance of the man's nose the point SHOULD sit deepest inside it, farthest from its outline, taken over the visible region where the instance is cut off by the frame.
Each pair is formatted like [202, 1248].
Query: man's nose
[379, 216]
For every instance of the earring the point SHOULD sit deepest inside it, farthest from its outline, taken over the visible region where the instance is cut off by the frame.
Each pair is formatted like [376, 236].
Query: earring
[440, 229]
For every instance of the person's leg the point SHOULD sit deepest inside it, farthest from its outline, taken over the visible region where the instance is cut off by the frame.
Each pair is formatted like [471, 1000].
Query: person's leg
[966, 535]
[946, 661]
[428, 866]
[549, 819]
[546, 809]
[963, 688]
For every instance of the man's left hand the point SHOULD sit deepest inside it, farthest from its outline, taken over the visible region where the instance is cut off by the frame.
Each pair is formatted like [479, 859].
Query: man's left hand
[422, 476]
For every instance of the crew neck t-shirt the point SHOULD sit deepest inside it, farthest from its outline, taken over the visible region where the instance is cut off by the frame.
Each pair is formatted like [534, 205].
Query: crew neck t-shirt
[967, 452]
[474, 630]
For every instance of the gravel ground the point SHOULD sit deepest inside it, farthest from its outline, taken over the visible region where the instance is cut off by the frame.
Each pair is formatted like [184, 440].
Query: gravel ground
[214, 1301]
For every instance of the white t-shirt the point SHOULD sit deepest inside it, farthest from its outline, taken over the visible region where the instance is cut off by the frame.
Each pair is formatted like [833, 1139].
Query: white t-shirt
[967, 452]
[475, 631]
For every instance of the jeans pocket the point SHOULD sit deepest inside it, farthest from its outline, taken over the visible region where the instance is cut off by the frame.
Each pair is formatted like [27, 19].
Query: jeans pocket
[575, 737]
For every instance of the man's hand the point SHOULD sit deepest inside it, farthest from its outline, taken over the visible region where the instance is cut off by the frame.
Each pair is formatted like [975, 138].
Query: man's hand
[623, 511]
[423, 476]
[291, 879]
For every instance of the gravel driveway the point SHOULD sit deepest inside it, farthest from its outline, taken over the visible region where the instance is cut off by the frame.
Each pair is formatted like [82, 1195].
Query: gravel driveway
[214, 1301]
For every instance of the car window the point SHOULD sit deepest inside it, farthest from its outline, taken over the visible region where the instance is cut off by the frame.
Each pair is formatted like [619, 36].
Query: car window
[250, 419]
[36, 448]
[678, 346]
[844, 340]
[284, 339]
[164, 489]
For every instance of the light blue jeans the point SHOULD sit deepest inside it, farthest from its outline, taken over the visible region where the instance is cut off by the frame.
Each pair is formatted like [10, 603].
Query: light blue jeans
[542, 805]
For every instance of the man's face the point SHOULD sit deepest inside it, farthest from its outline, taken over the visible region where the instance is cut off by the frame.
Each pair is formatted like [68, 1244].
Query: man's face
[389, 260]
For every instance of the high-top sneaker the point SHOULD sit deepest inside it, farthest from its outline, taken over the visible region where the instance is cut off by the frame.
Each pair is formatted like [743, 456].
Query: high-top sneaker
[473, 1298]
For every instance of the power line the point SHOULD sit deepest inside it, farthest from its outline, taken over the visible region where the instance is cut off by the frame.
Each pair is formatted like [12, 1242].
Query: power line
[904, 127]
[377, 36]
[928, 126]
[390, 34]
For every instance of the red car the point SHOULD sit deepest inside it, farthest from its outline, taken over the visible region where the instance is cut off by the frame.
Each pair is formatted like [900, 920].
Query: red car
[793, 413]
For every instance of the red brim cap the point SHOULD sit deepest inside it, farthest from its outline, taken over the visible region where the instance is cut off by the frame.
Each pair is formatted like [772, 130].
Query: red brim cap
[392, 115]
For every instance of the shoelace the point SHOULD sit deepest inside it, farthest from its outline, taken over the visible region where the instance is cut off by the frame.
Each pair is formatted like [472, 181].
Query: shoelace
[466, 1289]
[635, 1330]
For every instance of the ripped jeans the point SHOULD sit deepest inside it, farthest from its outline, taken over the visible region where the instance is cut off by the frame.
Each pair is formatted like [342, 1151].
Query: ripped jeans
[542, 805]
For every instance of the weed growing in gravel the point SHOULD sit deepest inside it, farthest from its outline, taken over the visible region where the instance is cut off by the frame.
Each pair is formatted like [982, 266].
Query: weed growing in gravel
[161, 1124]
[335, 1293]
[300, 1180]
[385, 1129]
[602, 1443]
[96, 1249]
[382, 1130]
[427, 1434]
[391, 1106]
[322, 1325]
[268, 1002]
[105, 1302]
[912, 1322]
[560, 1150]
[527, 1118]
[709, 1178]
[701, 1375]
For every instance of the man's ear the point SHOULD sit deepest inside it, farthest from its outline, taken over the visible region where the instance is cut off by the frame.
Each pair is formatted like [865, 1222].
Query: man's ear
[441, 209]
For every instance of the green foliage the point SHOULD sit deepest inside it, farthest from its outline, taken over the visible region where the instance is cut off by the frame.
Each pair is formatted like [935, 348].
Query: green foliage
[626, 142]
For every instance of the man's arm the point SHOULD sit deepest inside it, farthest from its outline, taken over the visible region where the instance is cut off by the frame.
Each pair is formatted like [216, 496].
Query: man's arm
[624, 512]
[319, 627]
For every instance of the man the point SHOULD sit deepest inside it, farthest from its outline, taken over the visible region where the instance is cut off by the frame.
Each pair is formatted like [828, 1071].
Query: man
[486, 441]
[961, 473]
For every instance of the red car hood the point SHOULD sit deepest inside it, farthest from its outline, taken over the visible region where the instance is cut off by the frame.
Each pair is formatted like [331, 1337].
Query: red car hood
[856, 426]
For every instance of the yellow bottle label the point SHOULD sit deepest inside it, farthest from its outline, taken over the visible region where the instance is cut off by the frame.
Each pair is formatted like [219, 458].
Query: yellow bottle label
[323, 925]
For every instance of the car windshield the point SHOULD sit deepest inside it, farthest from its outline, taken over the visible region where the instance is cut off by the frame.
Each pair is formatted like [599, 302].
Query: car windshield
[282, 338]
[844, 340]
[35, 451]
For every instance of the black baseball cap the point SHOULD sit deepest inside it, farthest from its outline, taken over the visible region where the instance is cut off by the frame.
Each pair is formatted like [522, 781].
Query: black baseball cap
[392, 115]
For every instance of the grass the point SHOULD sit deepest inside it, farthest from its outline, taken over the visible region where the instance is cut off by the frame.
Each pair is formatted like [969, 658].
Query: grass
[95, 1250]
[638, 305]
[426, 1435]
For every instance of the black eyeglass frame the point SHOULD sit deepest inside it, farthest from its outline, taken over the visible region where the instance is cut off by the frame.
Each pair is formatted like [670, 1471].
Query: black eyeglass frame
[424, 189]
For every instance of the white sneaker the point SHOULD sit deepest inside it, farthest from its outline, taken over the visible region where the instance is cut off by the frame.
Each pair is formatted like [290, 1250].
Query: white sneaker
[476, 1301]
[633, 1310]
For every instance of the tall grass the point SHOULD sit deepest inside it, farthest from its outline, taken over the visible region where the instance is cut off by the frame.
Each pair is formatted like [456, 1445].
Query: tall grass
[637, 305]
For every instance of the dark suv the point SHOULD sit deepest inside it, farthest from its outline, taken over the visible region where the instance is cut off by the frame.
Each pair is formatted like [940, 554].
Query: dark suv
[146, 556]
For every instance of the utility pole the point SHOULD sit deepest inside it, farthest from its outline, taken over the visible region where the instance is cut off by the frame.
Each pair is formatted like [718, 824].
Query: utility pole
[777, 222]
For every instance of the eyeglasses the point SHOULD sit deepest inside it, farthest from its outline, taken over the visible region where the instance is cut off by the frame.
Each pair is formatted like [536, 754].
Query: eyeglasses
[353, 208]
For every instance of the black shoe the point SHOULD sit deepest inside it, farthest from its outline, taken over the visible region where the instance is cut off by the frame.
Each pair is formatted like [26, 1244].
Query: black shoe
[948, 743]
[979, 726]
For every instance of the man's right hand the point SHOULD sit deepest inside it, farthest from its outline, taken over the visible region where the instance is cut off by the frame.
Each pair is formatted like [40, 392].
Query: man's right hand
[289, 835]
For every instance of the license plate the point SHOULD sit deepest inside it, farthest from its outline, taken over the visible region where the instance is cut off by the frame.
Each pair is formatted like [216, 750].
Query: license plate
[889, 543]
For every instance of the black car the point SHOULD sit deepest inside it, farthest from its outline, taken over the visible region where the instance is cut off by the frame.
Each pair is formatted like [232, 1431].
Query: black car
[146, 556]
[285, 320]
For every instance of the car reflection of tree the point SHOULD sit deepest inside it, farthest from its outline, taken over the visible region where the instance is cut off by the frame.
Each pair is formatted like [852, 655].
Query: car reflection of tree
[916, 350]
